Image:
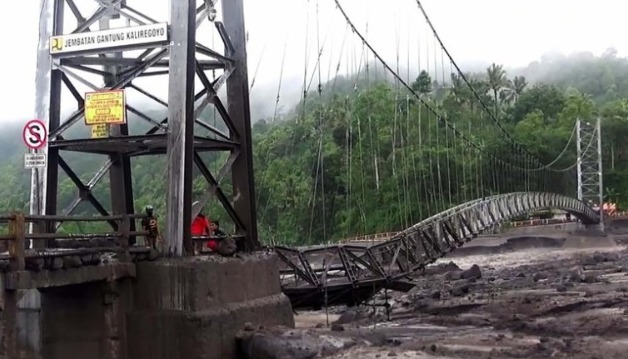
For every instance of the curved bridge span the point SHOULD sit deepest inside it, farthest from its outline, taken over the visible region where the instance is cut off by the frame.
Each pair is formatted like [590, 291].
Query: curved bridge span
[350, 274]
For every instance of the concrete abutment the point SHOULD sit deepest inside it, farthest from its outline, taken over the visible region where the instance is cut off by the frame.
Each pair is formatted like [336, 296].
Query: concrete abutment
[174, 308]
[193, 308]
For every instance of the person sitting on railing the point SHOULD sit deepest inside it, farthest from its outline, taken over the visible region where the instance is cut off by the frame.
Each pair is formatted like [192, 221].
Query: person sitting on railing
[200, 227]
[149, 224]
[214, 226]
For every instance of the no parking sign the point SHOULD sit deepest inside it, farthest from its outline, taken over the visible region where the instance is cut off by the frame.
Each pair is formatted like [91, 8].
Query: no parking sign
[35, 134]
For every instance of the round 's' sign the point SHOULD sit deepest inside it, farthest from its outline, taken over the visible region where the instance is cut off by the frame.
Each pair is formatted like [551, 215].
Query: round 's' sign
[35, 134]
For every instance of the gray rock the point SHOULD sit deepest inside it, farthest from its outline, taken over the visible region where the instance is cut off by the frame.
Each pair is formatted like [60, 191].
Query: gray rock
[337, 327]
[227, 247]
[275, 344]
[460, 290]
[331, 345]
[452, 275]
[540, 276]
[575, 276]
[589, 278]
[472, 273]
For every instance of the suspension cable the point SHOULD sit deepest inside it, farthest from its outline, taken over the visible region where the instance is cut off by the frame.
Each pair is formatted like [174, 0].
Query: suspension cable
[462, 75]
[547, 166]
[385, 64]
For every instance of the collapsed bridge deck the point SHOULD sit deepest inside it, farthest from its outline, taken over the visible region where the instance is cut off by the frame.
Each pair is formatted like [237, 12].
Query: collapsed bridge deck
[349, 275]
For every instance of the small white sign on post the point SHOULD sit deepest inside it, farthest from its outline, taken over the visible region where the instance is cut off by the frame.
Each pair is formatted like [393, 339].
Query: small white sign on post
[34, 160]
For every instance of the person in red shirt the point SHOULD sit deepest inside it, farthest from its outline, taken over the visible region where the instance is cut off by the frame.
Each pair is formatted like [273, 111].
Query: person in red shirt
[202, 226]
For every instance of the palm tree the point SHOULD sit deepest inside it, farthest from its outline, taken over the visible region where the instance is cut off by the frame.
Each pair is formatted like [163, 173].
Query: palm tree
[458, 88]
[611, 195]
[518, 85]
[513, 89]
[481, 88]
[496, 81]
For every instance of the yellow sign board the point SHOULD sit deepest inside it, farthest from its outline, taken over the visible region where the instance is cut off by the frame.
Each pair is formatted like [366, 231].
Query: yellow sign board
[100, 130]
[105, 107]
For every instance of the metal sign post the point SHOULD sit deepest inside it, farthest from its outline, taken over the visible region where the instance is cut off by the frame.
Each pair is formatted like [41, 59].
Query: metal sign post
[35, 137]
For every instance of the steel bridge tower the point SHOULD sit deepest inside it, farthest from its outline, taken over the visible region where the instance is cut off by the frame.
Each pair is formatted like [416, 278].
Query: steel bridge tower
[173, 51]
[589, 143]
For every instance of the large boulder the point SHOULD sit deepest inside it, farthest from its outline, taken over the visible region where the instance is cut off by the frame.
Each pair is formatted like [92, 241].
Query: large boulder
[277, 343]
[472, 273]
[285, 343]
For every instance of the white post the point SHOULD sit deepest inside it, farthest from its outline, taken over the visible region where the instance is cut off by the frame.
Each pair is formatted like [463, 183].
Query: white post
[42, 105]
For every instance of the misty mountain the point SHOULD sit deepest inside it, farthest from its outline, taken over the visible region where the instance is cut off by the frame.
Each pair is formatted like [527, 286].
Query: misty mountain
[604, 77]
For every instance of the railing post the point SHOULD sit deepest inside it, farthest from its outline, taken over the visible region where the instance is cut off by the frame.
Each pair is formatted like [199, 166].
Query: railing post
[16, 246]
[39, 227]
[125, 228]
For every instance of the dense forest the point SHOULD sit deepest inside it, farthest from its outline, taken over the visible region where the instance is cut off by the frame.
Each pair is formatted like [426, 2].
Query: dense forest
[364, 155]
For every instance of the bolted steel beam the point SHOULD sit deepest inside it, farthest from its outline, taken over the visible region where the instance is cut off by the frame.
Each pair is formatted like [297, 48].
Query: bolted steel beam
[239, 111]
[180, 126]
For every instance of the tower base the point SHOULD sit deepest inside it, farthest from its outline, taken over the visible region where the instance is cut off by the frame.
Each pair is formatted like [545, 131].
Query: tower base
[192, 308]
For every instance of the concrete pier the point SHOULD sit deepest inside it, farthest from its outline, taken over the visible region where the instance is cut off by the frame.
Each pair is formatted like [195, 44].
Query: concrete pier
[171, 309]
[193, 308]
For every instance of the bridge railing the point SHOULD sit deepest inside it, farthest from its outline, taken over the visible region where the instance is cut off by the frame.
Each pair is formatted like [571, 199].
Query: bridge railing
[203, 248]
[370, 237]
[541, 222]
[46, 246]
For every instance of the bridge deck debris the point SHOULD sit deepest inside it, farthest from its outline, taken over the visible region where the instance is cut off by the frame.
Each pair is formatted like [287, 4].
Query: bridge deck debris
[538, 301]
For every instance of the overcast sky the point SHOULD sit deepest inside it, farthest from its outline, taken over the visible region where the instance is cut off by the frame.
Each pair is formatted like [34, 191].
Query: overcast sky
[511, 32]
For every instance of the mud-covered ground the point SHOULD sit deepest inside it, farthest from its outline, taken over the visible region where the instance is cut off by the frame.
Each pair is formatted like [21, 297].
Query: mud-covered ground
[558, 299]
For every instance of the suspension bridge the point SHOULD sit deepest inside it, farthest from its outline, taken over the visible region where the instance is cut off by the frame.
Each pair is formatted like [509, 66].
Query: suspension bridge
[494, 187]
[426, 132]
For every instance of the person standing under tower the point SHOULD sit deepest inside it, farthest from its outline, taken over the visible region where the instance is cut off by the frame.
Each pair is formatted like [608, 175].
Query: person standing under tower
[149, 224]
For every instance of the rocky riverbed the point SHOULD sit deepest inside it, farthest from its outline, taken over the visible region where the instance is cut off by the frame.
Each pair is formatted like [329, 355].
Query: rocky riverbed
[550, 301]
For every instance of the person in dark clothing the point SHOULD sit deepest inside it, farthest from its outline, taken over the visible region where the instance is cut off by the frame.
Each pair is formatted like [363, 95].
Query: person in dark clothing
[149, 224]
[215, 226]
[215, 231]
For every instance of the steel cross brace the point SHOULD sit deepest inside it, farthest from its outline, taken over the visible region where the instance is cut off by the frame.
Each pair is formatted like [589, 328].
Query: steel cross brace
[211, 89]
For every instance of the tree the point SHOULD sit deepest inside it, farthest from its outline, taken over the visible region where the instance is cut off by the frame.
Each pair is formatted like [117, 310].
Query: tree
[611, 194]
[423, 83]
[545, 98]
[510, 93]
[496, 81]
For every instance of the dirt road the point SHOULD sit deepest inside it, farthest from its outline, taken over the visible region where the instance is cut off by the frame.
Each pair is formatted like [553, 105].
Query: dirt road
[558, 299]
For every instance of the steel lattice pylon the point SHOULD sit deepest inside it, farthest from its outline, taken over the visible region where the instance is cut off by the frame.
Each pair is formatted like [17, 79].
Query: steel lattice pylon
[590, 187]
[187, 63]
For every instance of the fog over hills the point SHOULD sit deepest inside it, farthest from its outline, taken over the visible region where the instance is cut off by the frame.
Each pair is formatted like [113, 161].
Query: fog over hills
[550, 68]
